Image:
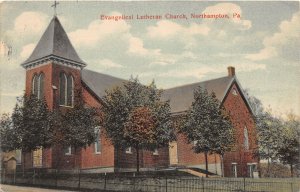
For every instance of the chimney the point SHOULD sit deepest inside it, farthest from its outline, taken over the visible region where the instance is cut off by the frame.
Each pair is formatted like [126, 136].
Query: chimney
[231, 71]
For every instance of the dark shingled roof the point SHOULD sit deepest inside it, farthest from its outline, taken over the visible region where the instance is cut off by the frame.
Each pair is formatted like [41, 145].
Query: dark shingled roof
[99, 82]
[181, 97]
[54, 42]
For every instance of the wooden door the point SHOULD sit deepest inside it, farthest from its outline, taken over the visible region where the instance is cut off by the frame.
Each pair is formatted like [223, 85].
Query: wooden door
[173, 153]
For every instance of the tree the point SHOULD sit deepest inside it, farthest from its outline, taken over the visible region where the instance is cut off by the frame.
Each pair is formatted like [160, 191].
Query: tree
[8, 137]
[225, 135]
[31, 125]
[207, 126]
[135, 115]
[139, 130]
[277, 139]
[288, 149]
[269, 130]
[34, 126]
[269, 136]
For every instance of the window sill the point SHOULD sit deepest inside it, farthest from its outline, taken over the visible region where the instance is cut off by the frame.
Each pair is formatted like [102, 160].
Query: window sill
[97, 153]
[66, 106]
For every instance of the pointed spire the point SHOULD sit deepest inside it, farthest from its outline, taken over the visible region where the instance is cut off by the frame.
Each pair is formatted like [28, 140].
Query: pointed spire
[54, 46]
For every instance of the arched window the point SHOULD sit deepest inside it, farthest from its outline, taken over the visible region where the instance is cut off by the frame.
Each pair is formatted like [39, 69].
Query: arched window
[246, 139]
[62, 88]
[35, 85]
[98, 140]
[38, 85]
[66, 90]
[70, 90]
[41, 86]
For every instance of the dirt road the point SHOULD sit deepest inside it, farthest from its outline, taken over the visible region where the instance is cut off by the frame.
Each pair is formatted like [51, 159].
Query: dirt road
[11, 188]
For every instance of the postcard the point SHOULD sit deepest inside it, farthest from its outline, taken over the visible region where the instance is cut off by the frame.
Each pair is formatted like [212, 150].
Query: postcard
[242, 51]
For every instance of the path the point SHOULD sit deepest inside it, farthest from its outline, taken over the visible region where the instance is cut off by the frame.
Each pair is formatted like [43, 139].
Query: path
[12, 188]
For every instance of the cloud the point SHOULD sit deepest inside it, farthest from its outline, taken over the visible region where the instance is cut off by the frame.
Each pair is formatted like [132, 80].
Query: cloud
[27, 27]
[107, 63]
[98, 31]
[264, 53]
[30, 23]
[164, 30]
[103, 64]
[248, 66]
[136, 46]
[171, 59]
[168, 30]
[230, 9]
[284, 43]
[209, 32]
[200, 72]
[27, 50]
[194, 72]
[172, 32]
[101, 33]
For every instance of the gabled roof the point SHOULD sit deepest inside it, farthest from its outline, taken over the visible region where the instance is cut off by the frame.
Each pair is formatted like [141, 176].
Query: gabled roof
[55, 43]
[181, 97]
[99, 82]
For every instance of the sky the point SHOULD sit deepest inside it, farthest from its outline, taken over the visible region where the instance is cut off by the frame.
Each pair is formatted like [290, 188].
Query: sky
[262, 44]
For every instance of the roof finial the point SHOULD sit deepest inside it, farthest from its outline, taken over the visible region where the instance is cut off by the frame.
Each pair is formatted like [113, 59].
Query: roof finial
[54, 6]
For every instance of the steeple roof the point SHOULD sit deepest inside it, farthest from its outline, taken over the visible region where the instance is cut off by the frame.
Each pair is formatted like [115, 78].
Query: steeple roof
[54, 44]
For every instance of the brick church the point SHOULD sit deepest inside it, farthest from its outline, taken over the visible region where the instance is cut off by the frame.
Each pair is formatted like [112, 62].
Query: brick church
[54, 70]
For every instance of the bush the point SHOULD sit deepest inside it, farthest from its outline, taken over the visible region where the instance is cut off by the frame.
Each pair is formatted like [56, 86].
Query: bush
[276, 170]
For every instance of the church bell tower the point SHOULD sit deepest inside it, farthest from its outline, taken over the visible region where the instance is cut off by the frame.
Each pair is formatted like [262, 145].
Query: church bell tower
[53, 68]
[53, 73]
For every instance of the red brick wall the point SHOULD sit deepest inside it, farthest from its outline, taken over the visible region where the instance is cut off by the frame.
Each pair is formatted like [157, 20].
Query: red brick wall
[47, 158]
[89, 158]
[241, 117]
[161, 160]
[186, 155]
[147, 158]
[89, 99]
[63, 161]
[126, 160]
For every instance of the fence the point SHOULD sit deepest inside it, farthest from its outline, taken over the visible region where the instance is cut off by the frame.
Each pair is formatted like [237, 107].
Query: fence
[114, 182]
